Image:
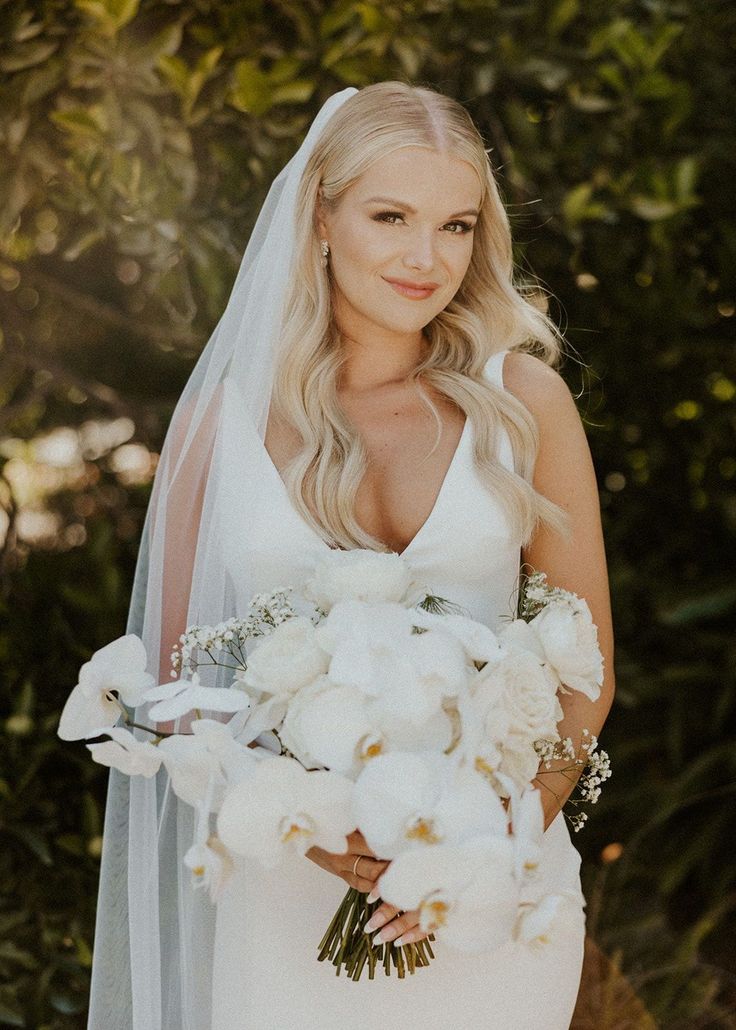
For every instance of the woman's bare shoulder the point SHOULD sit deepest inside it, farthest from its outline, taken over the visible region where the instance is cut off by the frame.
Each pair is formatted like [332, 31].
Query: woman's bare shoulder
[537, 385]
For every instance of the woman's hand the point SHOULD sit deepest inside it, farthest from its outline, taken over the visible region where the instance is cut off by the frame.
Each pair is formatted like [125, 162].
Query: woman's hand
[368, 869]
[394, 925]
[404, 929]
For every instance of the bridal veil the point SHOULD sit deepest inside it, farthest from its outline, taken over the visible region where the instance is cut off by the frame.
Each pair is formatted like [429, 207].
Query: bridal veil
[154, 934]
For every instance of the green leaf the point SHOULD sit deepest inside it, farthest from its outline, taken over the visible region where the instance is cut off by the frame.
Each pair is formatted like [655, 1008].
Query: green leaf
[251, 90]
[336, 17]
[27, 55]
[562, 14]
[12, 953]
[90, 122]
[578, 205]
[163, 43]
[111, 15]
[708, 605]
[296, 92]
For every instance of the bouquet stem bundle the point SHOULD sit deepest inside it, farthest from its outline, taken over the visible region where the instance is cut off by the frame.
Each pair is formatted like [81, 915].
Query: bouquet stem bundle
[346, 944]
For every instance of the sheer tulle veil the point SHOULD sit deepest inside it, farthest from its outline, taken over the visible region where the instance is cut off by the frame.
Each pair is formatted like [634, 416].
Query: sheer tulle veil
[154, 935]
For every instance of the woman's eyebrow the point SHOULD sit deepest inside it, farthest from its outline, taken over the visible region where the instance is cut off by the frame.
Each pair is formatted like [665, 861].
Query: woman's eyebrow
[410, 209]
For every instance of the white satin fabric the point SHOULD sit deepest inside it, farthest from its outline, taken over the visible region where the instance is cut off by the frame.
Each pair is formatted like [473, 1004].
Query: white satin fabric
[268, 923]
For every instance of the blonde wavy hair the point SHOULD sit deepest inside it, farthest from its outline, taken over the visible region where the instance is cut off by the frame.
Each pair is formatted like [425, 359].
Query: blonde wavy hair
[490, 312]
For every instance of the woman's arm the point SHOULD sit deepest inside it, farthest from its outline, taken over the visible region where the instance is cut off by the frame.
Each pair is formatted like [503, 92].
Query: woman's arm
[564, 474]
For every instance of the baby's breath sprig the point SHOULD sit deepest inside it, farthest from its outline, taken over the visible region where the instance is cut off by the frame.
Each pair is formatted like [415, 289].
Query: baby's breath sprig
[596, 768]
[535, 593]
[266, 611]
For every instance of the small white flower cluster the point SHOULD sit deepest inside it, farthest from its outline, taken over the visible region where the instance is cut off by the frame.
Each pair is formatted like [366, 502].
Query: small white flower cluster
[596, 769]
[536, 593]
[266, 611]
[599, 769]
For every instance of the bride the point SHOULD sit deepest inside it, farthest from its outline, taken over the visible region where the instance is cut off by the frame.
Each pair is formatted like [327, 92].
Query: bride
[379, 379]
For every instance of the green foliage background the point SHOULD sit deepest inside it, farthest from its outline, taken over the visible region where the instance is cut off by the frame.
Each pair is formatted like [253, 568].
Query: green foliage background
[137, 142]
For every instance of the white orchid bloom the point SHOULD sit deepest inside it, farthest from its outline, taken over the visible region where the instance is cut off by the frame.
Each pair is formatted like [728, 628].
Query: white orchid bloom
[436, 668]
[466, 894]
[374, 650]
[286, 660]
[124, 752]
[265, 714]
[182, 696]
[325, 724]
[284, 810]
[405, 801]
[120, 666]
[527, 823]
[399, 734]
[211, 864]
[566, 631]
[191, 765]
[367, 643]
[536, 921]
[236, 759]
[358, 575]
[479, 642]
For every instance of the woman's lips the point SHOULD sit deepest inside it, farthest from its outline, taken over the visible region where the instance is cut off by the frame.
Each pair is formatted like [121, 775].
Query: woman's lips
[407, 291]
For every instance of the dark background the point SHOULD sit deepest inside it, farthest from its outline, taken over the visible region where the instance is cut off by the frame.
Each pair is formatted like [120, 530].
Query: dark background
[137, 142]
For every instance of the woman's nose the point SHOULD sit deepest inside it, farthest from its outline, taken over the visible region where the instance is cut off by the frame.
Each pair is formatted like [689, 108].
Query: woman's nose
[420, 252]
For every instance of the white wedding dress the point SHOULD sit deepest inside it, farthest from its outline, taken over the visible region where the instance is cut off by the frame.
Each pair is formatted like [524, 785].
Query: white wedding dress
[266, 975]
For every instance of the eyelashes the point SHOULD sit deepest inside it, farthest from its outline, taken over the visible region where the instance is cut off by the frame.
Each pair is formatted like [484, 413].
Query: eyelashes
[465, 227]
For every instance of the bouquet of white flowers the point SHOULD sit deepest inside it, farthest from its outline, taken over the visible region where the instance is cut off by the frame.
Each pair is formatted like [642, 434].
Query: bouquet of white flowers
[375, 706]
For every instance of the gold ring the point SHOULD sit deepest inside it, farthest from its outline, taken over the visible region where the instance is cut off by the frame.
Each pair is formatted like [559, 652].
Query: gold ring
[355, 864]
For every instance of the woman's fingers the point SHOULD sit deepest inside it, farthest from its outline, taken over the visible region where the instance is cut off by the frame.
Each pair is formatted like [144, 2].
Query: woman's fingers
[367, 871]
[403, 929]
[381, 916]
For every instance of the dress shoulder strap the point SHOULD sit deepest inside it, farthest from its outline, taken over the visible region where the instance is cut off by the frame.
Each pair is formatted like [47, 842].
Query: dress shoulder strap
[494, 367]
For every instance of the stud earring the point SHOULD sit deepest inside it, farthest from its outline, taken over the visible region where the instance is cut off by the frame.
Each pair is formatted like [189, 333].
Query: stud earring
[325, 251]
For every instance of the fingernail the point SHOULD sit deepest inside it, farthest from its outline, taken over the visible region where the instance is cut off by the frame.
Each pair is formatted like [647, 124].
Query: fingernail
[376, 920]
[383, 936]
[399, 941]
[374, 895]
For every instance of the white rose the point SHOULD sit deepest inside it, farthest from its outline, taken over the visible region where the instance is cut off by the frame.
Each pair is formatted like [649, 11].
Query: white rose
[286, 660]
[566, 631]
[359, 575]
[528, 693]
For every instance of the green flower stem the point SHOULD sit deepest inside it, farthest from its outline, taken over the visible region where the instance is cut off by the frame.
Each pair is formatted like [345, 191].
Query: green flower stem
[347, 944]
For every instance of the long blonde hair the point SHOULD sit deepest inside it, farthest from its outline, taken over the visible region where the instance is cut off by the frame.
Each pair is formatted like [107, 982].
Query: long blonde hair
[490, 312]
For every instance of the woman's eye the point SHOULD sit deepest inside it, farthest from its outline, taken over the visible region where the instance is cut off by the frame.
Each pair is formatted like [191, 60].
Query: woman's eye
[385, 215]
[464, 227]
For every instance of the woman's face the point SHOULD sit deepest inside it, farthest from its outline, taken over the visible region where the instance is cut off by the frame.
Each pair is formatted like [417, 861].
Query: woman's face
[409, 217]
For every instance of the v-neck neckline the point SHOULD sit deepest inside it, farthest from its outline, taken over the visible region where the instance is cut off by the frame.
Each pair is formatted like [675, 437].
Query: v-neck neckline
[281, 485]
